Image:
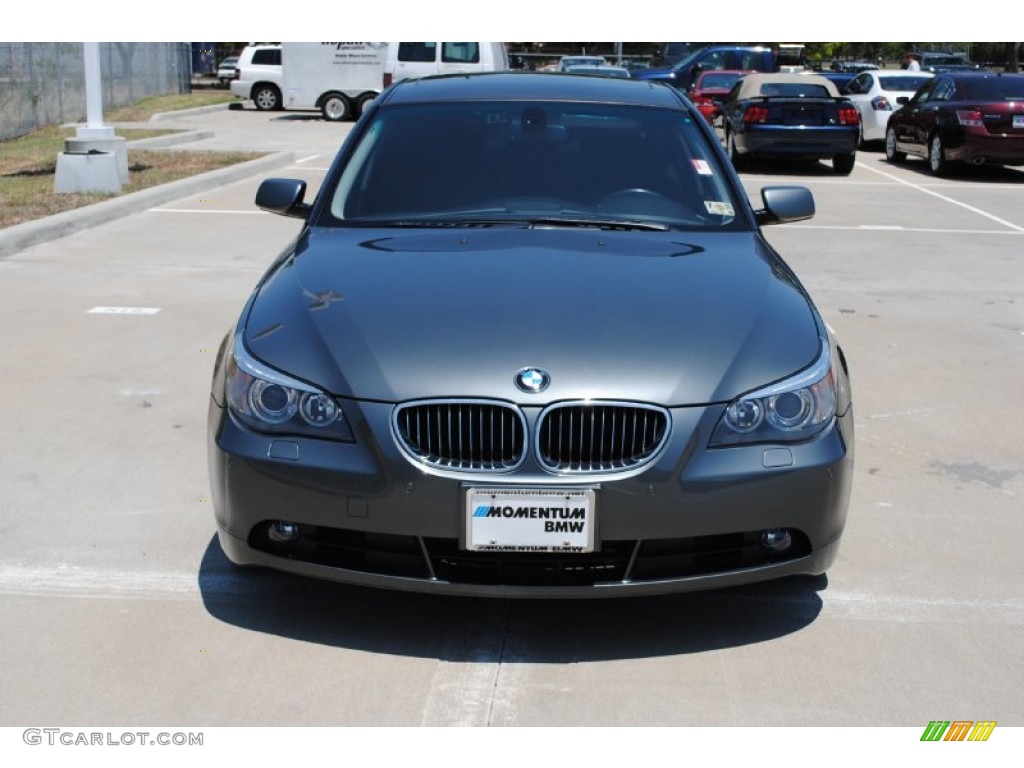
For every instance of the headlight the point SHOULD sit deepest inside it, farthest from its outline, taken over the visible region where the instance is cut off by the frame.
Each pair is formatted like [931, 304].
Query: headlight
[791, 410]
[269, 401]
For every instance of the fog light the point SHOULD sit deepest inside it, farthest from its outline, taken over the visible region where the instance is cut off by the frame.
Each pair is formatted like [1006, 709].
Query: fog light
[281, 532]
[777, 540]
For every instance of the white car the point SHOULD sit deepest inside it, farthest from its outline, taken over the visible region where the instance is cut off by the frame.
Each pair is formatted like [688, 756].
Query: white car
[875, 93]
[260, 77]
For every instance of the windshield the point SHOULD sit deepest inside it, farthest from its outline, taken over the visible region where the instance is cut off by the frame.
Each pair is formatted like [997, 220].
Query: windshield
[545, 162]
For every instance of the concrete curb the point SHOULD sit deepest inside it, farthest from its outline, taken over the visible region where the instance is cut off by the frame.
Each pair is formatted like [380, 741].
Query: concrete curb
[22, 236]
[160, 116]
[170, 140]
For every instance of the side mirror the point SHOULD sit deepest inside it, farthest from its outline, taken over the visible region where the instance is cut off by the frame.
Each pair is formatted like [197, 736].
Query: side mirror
[785, 204]
[901, 100]
[283, 196]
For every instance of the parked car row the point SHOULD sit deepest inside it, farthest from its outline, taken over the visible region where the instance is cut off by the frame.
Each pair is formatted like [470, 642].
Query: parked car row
[958, 116]
[954, 115]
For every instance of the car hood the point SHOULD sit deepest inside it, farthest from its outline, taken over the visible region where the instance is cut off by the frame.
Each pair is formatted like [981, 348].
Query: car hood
[665, 317]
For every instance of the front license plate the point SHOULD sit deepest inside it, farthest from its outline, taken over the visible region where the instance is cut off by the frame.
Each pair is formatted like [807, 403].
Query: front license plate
[1018, 121]
[530, 520]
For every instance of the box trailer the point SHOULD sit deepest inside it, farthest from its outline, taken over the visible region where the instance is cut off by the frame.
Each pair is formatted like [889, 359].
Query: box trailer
[339, 79]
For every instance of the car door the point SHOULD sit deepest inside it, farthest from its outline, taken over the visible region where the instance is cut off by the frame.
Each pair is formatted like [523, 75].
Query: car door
[911, 123]
[929, 117]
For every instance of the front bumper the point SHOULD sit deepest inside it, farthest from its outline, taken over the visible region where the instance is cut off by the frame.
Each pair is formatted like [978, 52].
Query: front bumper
[690, 520]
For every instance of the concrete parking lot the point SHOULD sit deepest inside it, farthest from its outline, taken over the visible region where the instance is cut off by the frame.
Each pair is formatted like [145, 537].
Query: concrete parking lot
[117, 605]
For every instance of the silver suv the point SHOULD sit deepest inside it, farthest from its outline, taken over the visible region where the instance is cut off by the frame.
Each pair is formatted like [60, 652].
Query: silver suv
[259, 76]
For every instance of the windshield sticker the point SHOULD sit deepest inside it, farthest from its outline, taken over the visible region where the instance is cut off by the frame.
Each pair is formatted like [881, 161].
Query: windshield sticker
[719, 209]
[702, 167]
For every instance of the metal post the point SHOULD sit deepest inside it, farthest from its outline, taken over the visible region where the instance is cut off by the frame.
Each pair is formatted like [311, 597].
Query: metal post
[93, 87]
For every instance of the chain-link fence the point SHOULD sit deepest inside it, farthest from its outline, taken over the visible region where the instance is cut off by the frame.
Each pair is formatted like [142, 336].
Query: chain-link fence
[44, 83]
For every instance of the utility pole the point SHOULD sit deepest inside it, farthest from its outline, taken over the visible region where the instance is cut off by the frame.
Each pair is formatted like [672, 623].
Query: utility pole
[95, 160]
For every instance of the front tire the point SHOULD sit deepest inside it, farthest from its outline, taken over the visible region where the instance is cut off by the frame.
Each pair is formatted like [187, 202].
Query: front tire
[335, 107]
[891, 153]
[937, 162]
[266, 98]
[843, 164]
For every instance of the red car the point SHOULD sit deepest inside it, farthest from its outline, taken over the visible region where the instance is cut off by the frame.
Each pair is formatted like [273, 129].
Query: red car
[713, 85]
[961, 117]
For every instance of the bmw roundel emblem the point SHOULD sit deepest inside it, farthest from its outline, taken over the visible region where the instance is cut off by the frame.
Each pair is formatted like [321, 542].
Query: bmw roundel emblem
[532, 380]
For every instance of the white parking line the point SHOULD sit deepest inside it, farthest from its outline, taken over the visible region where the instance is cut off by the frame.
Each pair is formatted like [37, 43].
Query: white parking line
[306, 159]
[123, 311]
[927, 191]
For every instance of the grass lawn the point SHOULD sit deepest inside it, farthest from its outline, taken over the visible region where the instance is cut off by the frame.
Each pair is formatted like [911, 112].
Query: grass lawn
[28, 163]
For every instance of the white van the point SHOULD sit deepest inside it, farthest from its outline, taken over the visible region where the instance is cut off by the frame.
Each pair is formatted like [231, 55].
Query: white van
[411, 60]
[339, 79]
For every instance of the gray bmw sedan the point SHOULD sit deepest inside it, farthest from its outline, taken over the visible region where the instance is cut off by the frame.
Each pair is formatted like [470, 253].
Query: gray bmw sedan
[529, 341]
